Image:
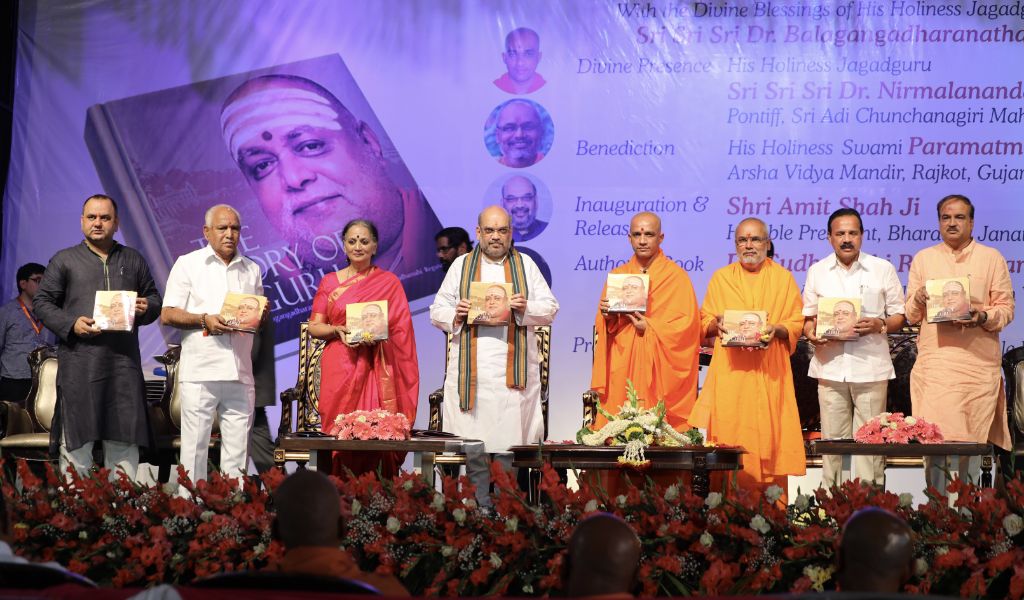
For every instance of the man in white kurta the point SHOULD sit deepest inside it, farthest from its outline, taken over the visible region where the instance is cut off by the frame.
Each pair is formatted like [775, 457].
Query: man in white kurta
[853, 376]
[215, 371]
[501, 416]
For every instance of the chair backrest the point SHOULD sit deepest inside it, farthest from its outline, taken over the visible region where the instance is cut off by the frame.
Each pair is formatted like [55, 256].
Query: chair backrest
[1013, 369]
[42, 398]
[306, 393]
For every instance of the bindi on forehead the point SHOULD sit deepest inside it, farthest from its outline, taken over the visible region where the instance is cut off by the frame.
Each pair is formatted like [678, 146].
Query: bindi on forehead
[267, 136]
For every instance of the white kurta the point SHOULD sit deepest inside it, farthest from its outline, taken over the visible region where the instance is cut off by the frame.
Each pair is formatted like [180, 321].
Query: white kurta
[501, 417]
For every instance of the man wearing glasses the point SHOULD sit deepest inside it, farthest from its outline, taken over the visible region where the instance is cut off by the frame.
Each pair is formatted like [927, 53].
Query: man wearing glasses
[519, 199]
[519, 133]
[21, 333]
[492, 385]
[748, 398]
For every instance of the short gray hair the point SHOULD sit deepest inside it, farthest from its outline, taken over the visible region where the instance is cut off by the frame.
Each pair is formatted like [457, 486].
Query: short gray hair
[208, 219]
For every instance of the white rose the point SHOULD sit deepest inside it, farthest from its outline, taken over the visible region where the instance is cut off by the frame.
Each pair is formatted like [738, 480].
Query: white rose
[773, 493]
[512, 524]
[437, 503]
[407, 485]
[920, 567]
[713, 500]
[527, 589]
[590, 506]
[356, 507]
[672, 492]
[706, 539]
[495, 560]
[802, 502]
[459, 514]
[206, 516]
[393, 525]
[893, 426]
[447, 551]
[906, 499]
[760, 525]
[469, 502]
[1013, 524]
[620, 500]
[910, 421]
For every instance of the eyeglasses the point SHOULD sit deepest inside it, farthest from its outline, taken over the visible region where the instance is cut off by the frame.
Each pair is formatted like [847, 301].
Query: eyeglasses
[36, 278]
[523, 198]
[750, 240]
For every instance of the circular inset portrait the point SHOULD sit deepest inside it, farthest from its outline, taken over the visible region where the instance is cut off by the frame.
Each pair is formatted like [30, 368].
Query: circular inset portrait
[521, 56]
[527, 201]
[519, 133]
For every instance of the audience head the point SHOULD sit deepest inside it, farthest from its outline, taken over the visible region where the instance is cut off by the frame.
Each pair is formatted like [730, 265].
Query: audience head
[604, 557]
[308, 511]
[28, 277]
[876, 552]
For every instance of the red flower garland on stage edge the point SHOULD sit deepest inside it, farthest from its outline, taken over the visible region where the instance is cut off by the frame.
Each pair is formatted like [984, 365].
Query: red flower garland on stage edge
[371, 425]
[894, 428]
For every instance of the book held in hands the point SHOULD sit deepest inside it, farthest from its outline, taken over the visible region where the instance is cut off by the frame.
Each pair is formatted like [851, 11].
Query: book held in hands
[489, 303]
[627, 293]
[745, 328]
[114, 310]
[242, 312]
[948, 299]
[836, 318]
[366, 321]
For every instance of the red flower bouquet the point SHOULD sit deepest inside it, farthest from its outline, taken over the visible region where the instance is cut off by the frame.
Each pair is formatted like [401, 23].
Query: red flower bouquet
[371, 425]
[894, 428]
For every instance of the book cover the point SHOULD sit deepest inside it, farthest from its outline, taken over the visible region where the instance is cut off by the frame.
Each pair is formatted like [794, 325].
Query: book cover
[114, 310]
[948, 299]
[745, 328]
[836, 318]
[628, 293]
[242, 312]
[366, 321]
[169, 155]
[489, 303]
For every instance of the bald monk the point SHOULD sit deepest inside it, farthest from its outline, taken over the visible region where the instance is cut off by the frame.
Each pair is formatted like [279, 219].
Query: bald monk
[876, 552]
[603, 558]
[309, 524]
[656, 350]
[747, 398]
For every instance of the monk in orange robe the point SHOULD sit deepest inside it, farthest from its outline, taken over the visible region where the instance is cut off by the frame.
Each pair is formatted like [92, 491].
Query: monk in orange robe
[957, 383]
[656, 349]
[748, 398]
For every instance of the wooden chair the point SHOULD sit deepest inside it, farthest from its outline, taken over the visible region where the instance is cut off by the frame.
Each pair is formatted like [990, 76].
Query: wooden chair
[300, 413]
[1012, 462]
[27, 430]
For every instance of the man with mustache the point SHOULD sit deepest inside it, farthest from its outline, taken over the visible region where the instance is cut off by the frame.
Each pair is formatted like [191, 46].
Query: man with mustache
[519, 132]
[452, 242]
[100, 393]
[956, 382]
[492, 385]
[215, 372]
[748, 397]
[521, 55]
[315, 166]
[657, 349]
[519, 199]
[955, 303]
[853, 376]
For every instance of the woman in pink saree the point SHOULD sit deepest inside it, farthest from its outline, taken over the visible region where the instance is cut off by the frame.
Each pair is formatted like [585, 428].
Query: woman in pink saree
[365, 375]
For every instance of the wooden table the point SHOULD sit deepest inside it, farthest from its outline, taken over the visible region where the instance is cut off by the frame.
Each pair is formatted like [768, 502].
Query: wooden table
[850, 448]
[293, 447]
[696, 459]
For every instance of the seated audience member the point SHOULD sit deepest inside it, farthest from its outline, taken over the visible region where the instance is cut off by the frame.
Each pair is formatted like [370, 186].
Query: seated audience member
[309, 524]
[876, 552]
[603, 560]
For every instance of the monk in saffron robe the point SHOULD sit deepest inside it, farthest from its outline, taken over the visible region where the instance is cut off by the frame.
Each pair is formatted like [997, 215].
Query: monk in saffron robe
[748, 398]
[656, 350]
[956, 382]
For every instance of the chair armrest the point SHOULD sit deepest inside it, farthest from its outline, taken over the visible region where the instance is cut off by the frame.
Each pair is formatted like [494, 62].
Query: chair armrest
[590, 399]
[288, 398]
[14, 419]
[436, 420]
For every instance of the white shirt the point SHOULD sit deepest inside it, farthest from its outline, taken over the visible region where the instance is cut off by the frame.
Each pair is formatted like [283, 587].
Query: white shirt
[198, 283]
[501, 416]
[875, 282]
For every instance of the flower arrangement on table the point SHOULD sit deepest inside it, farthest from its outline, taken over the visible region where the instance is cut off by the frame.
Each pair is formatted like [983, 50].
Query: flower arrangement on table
[371, 425]
[894, 428]
[637, 428]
